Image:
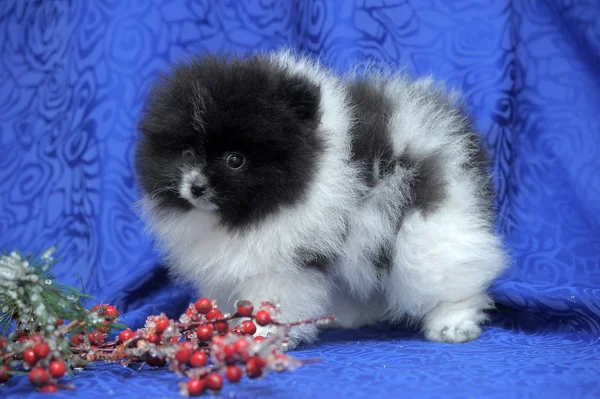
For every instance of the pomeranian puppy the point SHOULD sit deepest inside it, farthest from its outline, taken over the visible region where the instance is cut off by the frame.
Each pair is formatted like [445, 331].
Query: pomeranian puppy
[270, 178]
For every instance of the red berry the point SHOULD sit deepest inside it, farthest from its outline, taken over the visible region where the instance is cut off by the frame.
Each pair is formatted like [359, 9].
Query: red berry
[105, 328]
[203, 305]
[3, 342]
[78, 339]
[218, 354]
[95, 337]
[214, 314]
[156, 361]
[234, 373]
[221, 326]
[153, 338]
[175, 339]
[57, 368]
[229, 351]
[241, 347]
[245, 308]
[4, 376]
[254, 367]
[262, 318]
[247, 328]
[49, 388]
[110, 312]
[195, 386]
[35, 338]
[281, 357]
[125, 335]
[259, 339]
[161, 324]
[41, 350]
[38, 376]
[261, 361]
[204, 332]
[218, 340]
[214, 381]
[198, 359]
[22, 339]
[29, 357]
[190, 313]
[60, 322]
[184, 353]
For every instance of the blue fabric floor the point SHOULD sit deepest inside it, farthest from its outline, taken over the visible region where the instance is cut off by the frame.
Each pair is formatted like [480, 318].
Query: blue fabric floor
[512, 359]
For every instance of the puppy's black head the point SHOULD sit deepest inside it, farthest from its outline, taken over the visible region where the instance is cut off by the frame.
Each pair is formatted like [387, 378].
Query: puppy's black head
[233, 136]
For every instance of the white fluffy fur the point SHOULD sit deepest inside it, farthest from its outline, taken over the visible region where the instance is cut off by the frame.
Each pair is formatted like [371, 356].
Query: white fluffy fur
[444, 262]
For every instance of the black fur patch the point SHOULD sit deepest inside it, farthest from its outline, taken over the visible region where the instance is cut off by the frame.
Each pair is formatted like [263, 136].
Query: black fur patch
[427, 185]
[158, 173]
[215, 106]
[370, 135]
[312, 260]
[479, 159]
[384, 257]
[428, 190]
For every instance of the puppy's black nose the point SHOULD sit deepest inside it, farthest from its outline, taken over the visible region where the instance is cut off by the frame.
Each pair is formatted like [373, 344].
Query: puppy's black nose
[197, 190]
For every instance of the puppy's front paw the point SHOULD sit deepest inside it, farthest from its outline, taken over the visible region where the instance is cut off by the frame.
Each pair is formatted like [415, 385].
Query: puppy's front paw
[297, 335]
[464, 331]
[264, 331]
[289, 345]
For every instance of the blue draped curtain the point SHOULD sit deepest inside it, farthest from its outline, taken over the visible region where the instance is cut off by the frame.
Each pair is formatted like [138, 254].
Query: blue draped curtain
[73, 75]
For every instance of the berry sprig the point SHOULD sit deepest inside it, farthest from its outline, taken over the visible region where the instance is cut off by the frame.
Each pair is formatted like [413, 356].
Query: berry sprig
[203, 345]
[46, 355]
[200, 346]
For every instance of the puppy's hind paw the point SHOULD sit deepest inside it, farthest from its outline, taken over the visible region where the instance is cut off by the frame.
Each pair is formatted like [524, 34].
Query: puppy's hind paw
[464, 331]
[456, 321]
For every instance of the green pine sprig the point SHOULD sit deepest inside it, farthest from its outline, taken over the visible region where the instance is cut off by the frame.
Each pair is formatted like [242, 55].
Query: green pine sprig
[29, 296]
[31, 299]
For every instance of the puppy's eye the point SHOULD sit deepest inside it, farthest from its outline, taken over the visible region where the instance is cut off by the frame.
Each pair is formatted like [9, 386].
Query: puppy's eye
[235, 160]
[188, 152]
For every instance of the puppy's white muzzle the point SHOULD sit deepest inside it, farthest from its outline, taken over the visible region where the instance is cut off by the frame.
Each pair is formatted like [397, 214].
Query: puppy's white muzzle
[195, 189]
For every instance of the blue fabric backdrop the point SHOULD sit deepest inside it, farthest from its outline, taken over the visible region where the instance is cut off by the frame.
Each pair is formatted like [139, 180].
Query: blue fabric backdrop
[72, 78]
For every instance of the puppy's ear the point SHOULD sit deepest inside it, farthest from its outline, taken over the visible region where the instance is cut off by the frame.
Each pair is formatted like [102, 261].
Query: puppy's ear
[302, 96]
